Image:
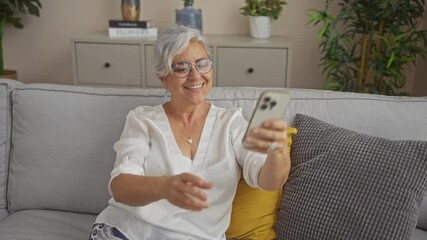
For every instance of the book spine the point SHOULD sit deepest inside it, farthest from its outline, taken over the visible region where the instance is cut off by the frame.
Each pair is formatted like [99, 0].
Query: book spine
[132, 32]
[129, 24]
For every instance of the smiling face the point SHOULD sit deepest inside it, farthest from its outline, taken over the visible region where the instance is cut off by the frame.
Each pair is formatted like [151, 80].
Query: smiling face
[193, 89]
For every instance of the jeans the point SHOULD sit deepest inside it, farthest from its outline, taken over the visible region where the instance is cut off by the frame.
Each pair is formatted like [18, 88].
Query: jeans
[102, 231]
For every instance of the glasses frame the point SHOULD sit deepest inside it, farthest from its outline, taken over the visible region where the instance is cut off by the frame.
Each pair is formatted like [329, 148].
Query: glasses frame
[191, 67]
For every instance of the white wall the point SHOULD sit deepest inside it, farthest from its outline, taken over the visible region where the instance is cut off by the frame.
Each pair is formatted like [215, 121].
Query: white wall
[41, 51]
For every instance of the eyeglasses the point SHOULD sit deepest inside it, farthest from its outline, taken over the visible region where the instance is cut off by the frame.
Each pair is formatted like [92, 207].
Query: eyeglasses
[183, 69]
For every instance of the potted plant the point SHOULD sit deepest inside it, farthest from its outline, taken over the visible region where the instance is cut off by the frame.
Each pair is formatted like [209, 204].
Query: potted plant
[189, 16]
[188, 2]
[261, 14]
[9, 10]
[368, 45]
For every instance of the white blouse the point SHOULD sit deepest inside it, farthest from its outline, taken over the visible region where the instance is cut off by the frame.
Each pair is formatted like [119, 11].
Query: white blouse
[148, 147]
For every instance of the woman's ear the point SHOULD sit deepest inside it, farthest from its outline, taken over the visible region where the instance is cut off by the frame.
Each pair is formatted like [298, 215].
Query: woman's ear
[164, 81]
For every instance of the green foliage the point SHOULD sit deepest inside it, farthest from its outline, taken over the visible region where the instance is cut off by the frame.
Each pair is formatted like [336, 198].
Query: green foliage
[10, 8]
[368, 44]
[8, 11]
[188, 2]
[269, 8]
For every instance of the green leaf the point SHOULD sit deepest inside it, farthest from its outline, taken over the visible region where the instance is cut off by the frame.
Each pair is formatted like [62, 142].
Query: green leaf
[10, 8]
[391, 59]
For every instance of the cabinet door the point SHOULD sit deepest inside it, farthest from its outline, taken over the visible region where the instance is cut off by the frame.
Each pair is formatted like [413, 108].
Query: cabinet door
[251, 67]
[108, 64]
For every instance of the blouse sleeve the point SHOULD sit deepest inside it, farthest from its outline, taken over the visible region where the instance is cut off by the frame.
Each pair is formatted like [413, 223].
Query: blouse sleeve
[251, 162]
[132, 148]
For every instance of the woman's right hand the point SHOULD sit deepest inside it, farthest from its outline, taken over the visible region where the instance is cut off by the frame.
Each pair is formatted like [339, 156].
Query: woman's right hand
[185, 190]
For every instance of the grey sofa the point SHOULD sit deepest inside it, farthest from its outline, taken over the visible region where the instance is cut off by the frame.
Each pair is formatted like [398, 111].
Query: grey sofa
[56, 145]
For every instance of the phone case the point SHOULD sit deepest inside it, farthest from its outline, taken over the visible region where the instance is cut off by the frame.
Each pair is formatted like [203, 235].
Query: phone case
[271, 105]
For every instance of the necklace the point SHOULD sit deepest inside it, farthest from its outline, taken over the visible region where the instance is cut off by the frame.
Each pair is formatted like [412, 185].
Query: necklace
[189, 140]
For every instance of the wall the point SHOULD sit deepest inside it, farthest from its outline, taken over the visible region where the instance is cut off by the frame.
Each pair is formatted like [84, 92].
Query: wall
[41, 51]
[420, 85]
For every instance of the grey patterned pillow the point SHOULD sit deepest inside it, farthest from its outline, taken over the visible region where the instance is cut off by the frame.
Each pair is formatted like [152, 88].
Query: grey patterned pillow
[347, 185]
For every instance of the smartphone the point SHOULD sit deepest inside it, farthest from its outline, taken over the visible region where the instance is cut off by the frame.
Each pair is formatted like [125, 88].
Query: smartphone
[270, 105]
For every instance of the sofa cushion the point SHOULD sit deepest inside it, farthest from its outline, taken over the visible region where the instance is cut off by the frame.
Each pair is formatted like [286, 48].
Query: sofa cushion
[254, 213]
[392, 117]
[6, 87]
[347, 185]
[46, 225]
[63, 140]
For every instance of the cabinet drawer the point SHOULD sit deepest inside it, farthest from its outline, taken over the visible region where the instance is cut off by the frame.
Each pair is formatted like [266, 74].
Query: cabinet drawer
[108, 64]
[252, 67]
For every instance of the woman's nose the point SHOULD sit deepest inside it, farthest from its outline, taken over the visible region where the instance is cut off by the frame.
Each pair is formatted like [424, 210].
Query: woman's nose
[194, 73]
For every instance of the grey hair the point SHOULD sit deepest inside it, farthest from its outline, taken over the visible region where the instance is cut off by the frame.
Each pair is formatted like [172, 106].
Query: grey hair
[172, 42]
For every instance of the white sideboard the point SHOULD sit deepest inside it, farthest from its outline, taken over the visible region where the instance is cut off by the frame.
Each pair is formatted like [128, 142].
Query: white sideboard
[238, 61]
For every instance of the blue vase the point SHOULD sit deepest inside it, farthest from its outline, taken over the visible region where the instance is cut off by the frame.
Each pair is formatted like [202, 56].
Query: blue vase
[189, 16]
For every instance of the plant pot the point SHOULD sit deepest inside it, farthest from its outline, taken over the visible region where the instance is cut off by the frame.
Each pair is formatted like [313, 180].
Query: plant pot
[260, 26]
[130, 10]
[189, 16]
[9, 74]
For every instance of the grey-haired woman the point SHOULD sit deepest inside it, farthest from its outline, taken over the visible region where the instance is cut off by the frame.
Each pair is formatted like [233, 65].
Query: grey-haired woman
[178, 164]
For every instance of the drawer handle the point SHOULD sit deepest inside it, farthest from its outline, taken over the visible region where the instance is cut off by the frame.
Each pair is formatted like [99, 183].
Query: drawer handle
[250, 70]
[107, 65]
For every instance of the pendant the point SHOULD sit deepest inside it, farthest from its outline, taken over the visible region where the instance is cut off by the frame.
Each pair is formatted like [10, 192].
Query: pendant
[189, 140]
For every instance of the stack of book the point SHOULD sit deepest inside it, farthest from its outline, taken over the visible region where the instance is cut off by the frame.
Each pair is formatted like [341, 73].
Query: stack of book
[131, 29]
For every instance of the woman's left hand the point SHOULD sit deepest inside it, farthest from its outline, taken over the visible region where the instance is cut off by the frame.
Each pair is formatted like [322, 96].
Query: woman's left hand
[270, 137]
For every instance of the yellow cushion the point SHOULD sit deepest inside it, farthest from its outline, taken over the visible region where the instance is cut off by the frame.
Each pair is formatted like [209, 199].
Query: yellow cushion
[255, 211]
